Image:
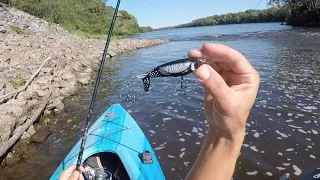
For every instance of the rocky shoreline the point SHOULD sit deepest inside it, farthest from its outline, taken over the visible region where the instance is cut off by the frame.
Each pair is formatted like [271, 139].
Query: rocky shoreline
[50, 63]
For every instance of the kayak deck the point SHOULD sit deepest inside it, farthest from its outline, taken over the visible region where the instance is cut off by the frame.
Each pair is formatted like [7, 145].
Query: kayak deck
[116, 132]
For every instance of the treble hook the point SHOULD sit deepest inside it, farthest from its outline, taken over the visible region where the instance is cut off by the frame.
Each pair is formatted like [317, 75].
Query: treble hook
[183, 85]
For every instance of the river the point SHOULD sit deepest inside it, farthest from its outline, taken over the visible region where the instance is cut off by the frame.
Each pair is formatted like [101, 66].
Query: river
[282, 132]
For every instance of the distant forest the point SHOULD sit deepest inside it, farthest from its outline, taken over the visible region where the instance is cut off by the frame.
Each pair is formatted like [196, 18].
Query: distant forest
[291, 12]
[274, 14]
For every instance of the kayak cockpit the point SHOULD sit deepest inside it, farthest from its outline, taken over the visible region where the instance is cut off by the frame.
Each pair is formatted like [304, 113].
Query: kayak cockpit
[105, 164]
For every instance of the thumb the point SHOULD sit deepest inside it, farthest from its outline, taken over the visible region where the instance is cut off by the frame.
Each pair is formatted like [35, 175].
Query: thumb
[212, 82]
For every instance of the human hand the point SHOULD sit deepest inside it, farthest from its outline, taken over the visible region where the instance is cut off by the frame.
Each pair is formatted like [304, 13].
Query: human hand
[230, 87]
[72, 174]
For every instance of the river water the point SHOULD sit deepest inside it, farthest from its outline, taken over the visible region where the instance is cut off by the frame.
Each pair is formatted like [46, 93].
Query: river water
[282, 130]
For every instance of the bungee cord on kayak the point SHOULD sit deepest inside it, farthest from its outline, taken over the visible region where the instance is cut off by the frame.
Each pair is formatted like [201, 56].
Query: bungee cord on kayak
[96, 85]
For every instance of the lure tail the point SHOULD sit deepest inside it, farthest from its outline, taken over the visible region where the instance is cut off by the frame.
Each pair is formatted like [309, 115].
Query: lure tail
[146, 83]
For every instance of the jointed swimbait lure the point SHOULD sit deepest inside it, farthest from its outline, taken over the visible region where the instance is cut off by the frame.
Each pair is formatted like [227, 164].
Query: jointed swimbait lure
[175, 68]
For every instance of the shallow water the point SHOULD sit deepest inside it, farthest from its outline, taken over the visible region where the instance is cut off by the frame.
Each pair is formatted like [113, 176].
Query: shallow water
[282, 130]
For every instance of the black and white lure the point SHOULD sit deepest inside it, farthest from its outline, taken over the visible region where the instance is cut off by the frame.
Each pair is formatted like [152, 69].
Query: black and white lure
[175, 68]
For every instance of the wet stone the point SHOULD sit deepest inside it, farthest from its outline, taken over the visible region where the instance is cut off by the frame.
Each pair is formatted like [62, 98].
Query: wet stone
[40, 136]
[11, 159]
[25, 136]
[45, 121]
[31, 130]
[112, 53]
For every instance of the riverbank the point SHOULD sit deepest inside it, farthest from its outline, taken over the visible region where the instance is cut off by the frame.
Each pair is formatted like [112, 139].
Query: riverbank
[40, 65]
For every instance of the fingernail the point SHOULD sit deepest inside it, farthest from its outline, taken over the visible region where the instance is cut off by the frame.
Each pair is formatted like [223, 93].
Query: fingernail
[203, 73]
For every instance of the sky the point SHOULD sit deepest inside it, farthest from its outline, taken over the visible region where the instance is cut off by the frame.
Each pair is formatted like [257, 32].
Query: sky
[162, 13]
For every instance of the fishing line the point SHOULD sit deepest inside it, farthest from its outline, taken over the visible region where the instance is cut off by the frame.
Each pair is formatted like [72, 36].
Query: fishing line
[245, 19]
[96, 85]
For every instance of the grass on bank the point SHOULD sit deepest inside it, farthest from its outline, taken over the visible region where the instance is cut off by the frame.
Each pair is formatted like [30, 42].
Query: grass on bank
[18, 30]
[18, 81]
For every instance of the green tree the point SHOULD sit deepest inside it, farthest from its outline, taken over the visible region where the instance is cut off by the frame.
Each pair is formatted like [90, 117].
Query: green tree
[302, 12]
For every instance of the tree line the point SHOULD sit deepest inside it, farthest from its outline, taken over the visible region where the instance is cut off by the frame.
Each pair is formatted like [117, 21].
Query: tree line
[293, 12]
[302, 12]
[90, 18]
[273, 14]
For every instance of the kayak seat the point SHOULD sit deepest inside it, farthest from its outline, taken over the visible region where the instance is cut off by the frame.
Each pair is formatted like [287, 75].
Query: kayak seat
[109, 162]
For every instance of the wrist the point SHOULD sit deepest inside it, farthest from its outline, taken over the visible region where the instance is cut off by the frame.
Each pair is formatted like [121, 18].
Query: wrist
[218, 136]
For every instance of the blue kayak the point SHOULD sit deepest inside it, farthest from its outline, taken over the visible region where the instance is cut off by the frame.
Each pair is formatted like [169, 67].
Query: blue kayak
[116, 144]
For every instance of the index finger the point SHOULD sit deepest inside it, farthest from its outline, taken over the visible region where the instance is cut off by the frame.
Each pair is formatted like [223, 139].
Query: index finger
[221, 53]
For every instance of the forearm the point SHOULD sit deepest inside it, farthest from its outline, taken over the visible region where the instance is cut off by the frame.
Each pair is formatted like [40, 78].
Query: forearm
[217, 157]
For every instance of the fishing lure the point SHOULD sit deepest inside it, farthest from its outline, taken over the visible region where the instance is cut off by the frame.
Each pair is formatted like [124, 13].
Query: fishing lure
[175, 68]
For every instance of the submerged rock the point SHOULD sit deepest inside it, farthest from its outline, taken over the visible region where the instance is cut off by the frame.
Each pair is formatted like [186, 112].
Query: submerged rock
[12, 159]
[40, 136]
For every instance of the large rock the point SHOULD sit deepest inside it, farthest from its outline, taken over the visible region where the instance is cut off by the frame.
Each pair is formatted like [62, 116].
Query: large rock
[32, 103]
[25, 136]
[40, 136]
[3, 29]
[22, 120]
[5, 109]
[68, 75]
[7, 123]
[57, 105]
[17, 102]
[16, 110]
[34, 26]
[84, 80]
[43, 80]
[112, 53]
[42, 93]
[31, 130]
[68, 90]
[47, 70]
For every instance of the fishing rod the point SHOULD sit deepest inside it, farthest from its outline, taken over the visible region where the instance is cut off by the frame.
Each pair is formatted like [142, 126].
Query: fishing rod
[96, 85]
[246, 19]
